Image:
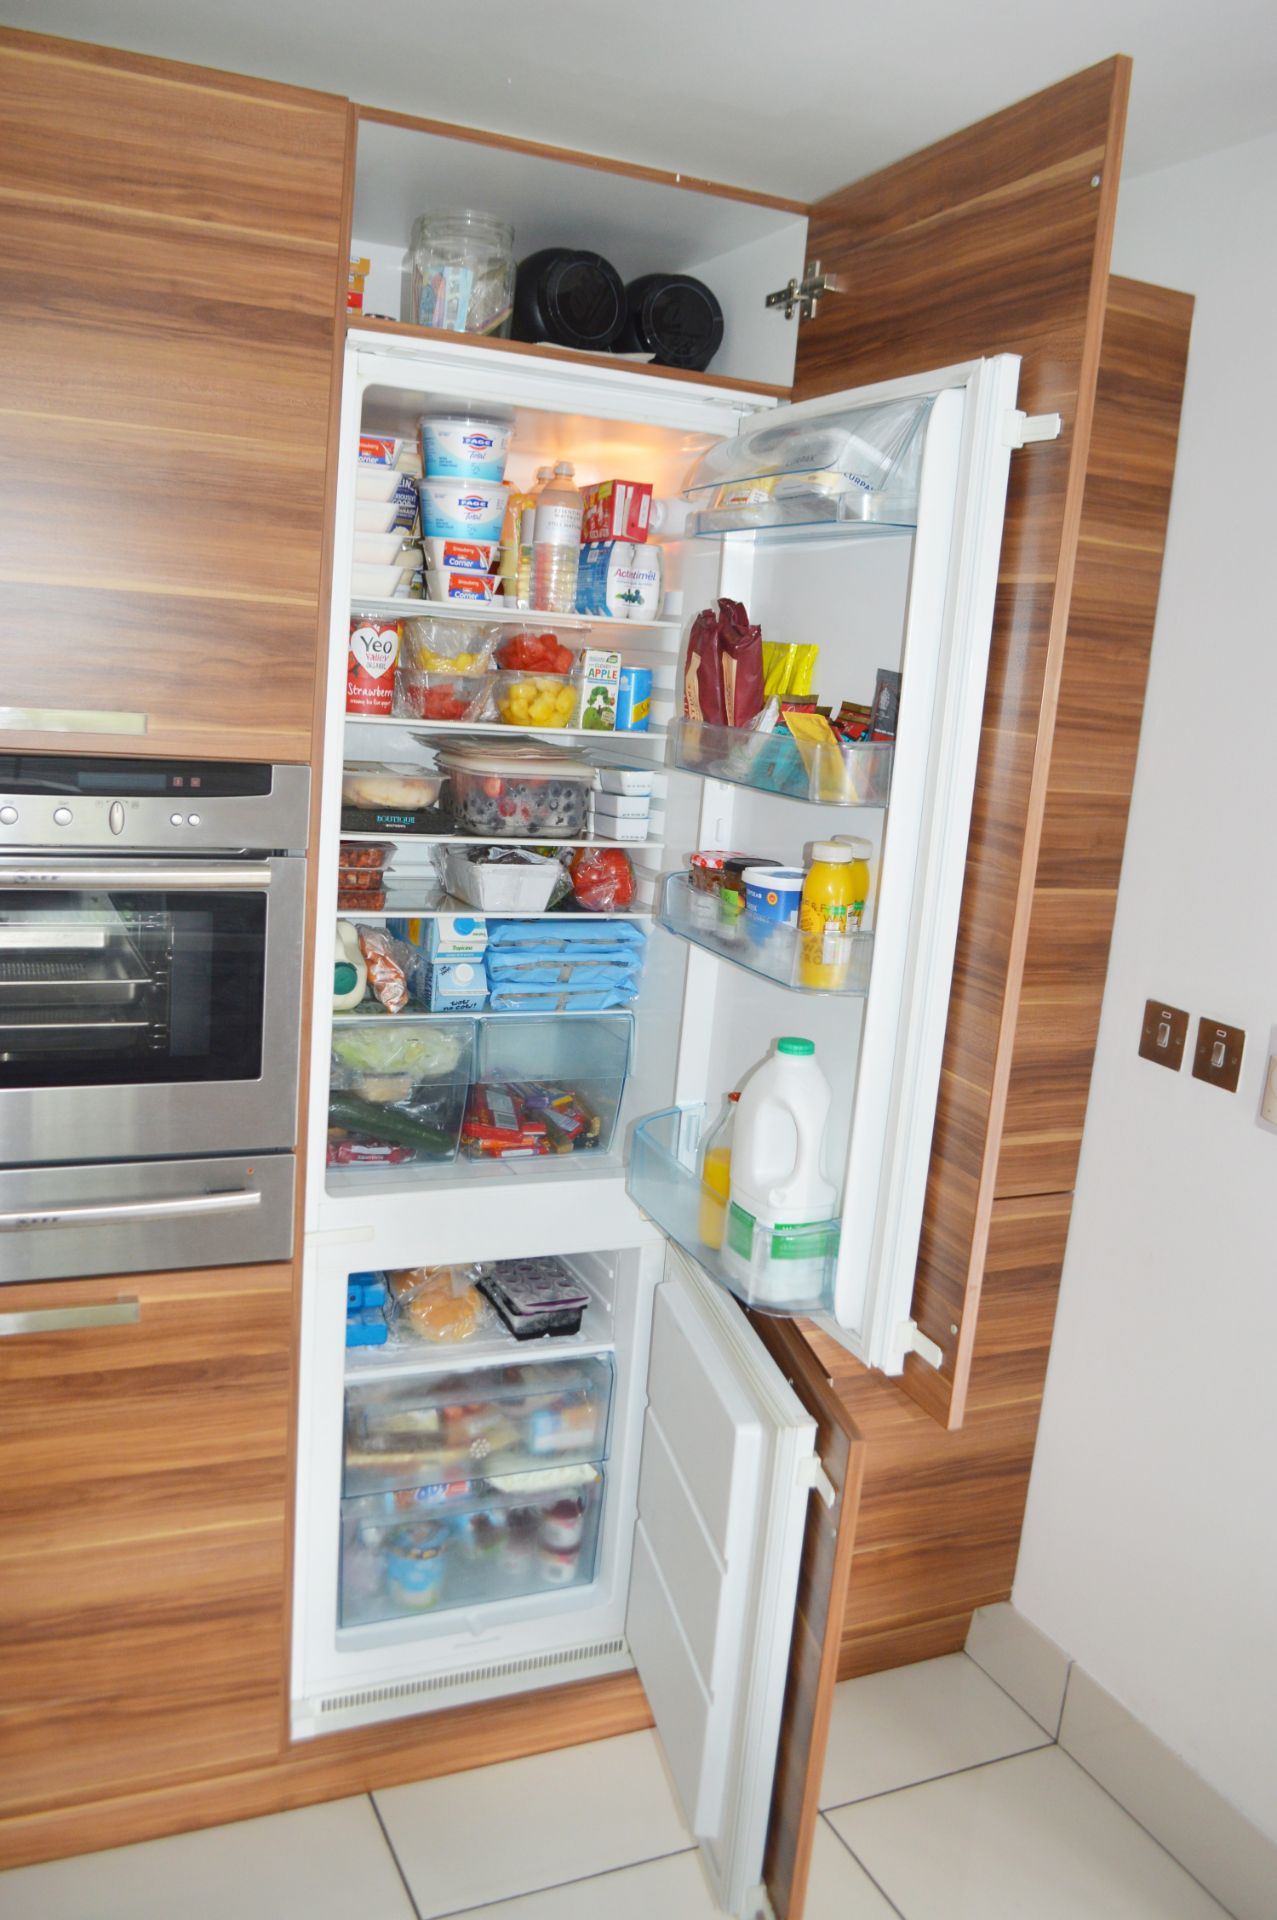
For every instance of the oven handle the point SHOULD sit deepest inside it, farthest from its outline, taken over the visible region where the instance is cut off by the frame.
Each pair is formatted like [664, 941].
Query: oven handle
[107, 1211]
[188, 878]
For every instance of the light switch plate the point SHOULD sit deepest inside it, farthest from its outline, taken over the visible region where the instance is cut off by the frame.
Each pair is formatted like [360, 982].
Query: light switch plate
[1217, 1056]
[1163, 1035]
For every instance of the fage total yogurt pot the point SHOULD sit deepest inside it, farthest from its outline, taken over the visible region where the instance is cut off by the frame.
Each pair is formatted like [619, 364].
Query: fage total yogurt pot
[465, 446]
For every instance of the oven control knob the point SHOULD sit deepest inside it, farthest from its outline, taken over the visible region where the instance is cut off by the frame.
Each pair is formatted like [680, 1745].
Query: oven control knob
[8, 816]
[176, 820]
[115, 817]
[62, 816]
[192, 819]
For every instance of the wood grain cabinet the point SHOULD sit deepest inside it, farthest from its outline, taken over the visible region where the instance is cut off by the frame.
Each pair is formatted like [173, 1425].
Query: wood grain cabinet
[173, 244]
[144, 1502]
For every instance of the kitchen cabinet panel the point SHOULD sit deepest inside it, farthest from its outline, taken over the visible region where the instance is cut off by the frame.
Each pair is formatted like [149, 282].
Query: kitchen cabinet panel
[144, 1498]
[996, 240]
[177, 240]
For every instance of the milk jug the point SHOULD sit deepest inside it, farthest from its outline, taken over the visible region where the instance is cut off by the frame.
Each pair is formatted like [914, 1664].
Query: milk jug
[782, 1224]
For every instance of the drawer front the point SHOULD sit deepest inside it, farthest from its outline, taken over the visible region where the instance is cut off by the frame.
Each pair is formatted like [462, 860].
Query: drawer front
[144, 1425]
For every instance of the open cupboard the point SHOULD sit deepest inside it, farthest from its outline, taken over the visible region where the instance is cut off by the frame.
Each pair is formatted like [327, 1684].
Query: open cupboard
[992, 244]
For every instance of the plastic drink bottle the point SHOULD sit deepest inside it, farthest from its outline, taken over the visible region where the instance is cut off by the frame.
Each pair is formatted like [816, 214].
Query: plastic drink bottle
[782, 1222]
[861, 850]
[556, 543]
[824, 950]
[527, 513]
[716, 1169]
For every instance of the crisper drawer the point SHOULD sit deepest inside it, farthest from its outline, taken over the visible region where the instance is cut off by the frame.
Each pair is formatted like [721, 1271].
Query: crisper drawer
[500, 1419]
[430, 1549]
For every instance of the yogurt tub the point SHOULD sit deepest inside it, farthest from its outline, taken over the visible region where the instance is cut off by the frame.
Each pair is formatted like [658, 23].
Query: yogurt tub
[379, 483]
[379, 583]
[381, 517]
[464, 509]
[384, 549]
[463, 445]
[461, 584]
[451, 555]
[773, 894]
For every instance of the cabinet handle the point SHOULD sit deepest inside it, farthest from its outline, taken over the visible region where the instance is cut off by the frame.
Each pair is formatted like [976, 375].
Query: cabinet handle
[104, 1313]
[104, 1212]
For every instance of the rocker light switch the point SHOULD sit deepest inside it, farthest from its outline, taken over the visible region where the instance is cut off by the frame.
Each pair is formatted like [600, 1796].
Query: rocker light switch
[1163, 1035]
[1218, 1054]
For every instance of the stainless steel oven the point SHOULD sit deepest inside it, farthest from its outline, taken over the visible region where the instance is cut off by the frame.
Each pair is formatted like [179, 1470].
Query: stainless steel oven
[151, 924]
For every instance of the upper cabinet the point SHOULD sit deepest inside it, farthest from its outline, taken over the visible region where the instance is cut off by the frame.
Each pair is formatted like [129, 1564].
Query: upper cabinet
[174, 241]
[742, 246]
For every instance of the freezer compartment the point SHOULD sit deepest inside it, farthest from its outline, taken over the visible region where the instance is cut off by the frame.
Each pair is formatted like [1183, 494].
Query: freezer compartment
[854, 774]
[665, 1180]
[504, 1419]
[397, 1090]
[432, 1549]
[547, 1086]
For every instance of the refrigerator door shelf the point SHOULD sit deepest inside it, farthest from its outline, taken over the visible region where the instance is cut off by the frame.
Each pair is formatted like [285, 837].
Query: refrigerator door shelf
[763, 947]
[856, 774]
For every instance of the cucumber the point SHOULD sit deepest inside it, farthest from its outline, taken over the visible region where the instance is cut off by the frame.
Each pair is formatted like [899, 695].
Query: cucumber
[388, 1123]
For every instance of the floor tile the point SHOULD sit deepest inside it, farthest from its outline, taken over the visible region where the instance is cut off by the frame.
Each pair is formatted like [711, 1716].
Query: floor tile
[1032, 1835]
[325, 1862]
[673, 1889]
[839, 1888]
[563, 1816]
[893, 1729]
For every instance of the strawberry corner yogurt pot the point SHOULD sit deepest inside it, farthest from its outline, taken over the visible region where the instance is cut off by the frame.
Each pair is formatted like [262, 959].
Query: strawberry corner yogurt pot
[462, 509]
[461, 584]
[450, 555]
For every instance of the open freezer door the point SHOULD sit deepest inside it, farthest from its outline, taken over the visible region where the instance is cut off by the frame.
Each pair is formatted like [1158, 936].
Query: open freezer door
[727, 1466]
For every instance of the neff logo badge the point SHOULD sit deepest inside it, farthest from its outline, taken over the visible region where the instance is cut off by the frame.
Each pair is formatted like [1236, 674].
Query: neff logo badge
[374, 651]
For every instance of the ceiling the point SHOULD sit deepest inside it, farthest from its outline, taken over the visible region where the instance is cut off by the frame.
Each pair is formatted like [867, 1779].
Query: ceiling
[793, 97]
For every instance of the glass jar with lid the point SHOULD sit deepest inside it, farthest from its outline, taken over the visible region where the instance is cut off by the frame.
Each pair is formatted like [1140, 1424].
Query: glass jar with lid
[462, 272]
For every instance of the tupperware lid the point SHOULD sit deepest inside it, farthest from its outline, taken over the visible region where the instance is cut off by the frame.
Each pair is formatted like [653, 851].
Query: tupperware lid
[511, 762]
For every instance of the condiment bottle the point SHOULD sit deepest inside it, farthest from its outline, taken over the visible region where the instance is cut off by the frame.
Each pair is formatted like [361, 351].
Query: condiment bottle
[824, 950]
[716, 1174]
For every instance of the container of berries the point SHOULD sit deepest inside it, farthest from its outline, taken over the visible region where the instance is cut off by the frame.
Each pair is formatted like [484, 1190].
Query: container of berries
[516, 792]
[444, 696]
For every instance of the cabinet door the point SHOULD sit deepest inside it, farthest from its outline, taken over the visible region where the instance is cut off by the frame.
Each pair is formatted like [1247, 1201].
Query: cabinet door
[994, 241]
[175, 245]
[144, 1462]
[728, 1463]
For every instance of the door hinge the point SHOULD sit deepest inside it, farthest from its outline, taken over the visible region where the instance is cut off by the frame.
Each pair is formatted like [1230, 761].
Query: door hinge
[911, 1339]
[1022, 429]
[812, 1473]
[804, 293]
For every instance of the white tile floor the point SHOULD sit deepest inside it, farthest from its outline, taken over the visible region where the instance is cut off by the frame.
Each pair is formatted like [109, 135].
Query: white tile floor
[943, 1801]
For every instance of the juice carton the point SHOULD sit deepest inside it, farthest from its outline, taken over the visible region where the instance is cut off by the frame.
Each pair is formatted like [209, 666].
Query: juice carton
[458, 936]
[598, 680]
[616, 510]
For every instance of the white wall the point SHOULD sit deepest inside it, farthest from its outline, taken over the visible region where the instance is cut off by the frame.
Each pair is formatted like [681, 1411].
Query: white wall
[1150, 1543]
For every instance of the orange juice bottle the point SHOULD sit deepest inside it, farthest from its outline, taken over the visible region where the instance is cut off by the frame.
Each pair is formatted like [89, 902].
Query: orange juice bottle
[824, 948]
[860, 853]
[716, 1176]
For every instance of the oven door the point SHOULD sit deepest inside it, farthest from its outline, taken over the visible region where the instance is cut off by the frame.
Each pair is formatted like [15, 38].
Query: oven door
[148, 1007]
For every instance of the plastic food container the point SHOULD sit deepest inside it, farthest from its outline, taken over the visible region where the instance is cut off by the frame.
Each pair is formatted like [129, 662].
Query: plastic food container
[451, 555]
[535, 699]
[379, 583]
[504, 886]
[462, 268]
[464, 444]
[380, 786]
[462, 583]
[465, 509]
[536, 1298]
[383, 516]
[380, 483]
[774, 894]
[360, 856]
[384, 550]
[443, 696]
[415, 1564]
[359, 899]
[397, 1089]
[358, 881]
[636, 781]
[525, 791]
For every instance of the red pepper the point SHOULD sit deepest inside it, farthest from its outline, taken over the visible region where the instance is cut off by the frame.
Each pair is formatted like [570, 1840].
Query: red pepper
[602, 879]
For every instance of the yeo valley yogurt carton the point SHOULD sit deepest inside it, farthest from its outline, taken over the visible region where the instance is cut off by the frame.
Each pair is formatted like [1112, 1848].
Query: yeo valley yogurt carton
[619, 580]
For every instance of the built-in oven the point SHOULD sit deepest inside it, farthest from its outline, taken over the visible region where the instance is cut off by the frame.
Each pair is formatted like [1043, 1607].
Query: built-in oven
[151, 928]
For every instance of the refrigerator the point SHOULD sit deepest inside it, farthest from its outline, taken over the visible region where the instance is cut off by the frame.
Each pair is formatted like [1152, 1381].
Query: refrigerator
[494, 1516]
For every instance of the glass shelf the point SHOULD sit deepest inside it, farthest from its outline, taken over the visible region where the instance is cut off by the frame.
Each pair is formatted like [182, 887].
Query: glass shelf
[664, 1179]
[855, 775]
[759, 946]
[800, 516]
[499, 613]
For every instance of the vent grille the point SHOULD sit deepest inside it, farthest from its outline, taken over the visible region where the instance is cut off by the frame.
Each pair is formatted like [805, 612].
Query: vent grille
[469, 1676]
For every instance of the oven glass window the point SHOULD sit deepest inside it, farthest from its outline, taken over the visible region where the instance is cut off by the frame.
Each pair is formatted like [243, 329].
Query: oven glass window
[120, 988]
